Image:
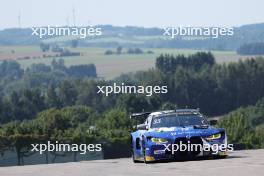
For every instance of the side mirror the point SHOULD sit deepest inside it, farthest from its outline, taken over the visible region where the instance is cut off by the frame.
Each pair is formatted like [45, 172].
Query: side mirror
[142, 127]
[213, 122]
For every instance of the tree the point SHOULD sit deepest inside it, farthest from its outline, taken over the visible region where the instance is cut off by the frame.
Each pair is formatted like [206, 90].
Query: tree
[11, 70]
[238, 128]
[251, 49]
[133, 103]
[58, 65]
[74, 43]
[44, 47]
[119, 50]
[115, 123]
[40, 67]
[67, 93]
[52, 98]
[109, 52]
[81, 71]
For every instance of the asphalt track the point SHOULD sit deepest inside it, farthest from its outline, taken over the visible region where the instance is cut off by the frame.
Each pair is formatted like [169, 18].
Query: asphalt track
[241, 163]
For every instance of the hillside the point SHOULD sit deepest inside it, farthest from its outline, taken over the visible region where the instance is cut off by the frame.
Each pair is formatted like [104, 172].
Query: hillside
[130, 36]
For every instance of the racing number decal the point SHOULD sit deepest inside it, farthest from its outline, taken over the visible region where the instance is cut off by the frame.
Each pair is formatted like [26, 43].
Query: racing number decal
[156, 121]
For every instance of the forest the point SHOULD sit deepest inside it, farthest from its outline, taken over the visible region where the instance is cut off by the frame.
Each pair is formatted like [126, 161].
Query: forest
[251, 49]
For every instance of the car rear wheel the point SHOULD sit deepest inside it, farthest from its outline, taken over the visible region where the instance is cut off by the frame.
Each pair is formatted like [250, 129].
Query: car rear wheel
[133, 158]
[221, 156]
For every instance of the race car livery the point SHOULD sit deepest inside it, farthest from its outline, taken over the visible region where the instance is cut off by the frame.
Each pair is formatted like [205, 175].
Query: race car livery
[176, 134]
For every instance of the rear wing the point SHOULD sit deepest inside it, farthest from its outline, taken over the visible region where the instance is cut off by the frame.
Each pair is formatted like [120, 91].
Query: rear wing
[139, 119]
[139, 115]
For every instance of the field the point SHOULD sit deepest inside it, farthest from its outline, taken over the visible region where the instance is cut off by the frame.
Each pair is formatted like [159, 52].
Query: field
[108, 66]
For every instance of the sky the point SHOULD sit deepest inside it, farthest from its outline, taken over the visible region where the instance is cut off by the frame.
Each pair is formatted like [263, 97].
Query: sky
[145, 13]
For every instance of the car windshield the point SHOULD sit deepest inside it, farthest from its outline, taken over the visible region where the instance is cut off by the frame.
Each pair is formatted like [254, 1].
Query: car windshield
[178, 120]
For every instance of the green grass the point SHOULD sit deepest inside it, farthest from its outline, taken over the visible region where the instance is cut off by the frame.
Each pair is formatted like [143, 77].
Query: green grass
[18, 49]
[110, 66]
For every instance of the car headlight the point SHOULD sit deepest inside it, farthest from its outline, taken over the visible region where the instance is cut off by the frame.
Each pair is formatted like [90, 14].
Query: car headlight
[159, 140]
[214, 136]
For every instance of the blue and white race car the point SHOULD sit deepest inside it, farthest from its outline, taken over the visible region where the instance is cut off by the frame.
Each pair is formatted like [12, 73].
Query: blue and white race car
[176, 134]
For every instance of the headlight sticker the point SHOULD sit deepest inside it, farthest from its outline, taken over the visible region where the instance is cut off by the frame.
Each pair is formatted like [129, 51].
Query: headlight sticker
[214, 136]
[159, 140]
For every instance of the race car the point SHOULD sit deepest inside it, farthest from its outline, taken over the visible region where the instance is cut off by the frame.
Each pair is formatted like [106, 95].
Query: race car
[176, 134]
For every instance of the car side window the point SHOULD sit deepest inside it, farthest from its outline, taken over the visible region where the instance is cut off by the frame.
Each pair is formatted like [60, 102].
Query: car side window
[137, 143]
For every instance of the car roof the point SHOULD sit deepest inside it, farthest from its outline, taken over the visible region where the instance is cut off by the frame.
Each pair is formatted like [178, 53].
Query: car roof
[187, 110]
[177, 111]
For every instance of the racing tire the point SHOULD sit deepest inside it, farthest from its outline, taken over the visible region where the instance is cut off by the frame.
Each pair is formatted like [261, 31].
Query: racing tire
[133, 158]
[221, 157]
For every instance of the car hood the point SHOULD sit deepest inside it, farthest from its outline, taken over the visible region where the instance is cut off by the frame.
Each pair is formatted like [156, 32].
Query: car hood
[187, 131]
